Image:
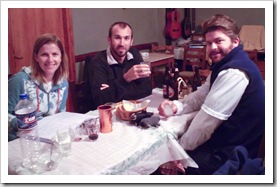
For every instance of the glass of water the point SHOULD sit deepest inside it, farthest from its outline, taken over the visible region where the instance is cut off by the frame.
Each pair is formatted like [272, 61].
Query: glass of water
[64, 140]
[145, 62]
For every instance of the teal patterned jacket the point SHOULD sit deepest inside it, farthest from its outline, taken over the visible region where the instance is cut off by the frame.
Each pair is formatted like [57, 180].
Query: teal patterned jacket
[47, 103]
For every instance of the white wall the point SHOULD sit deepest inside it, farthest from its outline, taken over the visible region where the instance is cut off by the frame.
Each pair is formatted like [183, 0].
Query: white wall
[250, 16]
[91, 25]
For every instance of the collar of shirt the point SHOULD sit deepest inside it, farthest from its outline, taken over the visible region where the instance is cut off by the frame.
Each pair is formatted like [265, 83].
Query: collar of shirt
[111, 59]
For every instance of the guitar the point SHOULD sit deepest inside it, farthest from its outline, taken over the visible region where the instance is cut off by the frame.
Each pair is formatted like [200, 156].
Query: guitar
[187, 28]
[173, 27]
[187, 24]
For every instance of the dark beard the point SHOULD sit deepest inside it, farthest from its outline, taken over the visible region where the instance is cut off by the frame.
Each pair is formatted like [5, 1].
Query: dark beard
[222, 52]
[115, 52]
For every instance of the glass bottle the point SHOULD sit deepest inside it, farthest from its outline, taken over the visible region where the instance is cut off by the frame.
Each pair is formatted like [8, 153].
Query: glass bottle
[196, 81]
[173, 85]
[166, 80]
[30, 148]
[25, 112]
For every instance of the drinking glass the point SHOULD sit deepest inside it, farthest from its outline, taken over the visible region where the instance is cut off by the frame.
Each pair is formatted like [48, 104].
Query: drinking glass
[64, 141]
[50, 156]
[144, 55]
[145, 62]
[93, 130]
[113, 105]
[105, 118]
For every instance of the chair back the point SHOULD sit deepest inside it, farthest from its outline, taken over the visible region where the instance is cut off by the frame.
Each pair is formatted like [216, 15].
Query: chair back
[252, 37]
[158, 72]
[168, 49]
[253, 40]
[81, 102]
[194, 55]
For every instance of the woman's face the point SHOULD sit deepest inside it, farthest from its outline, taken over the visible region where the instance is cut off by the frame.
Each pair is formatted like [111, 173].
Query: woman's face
[49, 58]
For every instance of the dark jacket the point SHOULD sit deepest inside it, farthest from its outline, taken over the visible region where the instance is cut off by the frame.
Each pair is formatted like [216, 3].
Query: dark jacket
[100, 72]
[239, 163]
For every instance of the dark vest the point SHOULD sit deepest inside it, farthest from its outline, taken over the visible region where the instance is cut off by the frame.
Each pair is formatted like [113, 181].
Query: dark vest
[246, 125]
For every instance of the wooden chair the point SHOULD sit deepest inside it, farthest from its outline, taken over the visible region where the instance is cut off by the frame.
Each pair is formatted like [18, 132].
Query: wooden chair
[169, 49]
[81, 102]
[158, 72]
[194, 55]
[253, 55]
[253, 40]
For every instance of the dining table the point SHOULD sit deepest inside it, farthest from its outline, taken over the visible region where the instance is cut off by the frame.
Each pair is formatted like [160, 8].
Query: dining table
[128, 149]
[158, 59]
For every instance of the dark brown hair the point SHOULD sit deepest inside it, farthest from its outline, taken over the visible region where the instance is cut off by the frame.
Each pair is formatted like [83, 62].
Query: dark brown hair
[221, 22]
[122, 25]
[62, 71]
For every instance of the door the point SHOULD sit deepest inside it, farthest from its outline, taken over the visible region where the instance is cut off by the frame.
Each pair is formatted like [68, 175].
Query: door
[26, 24]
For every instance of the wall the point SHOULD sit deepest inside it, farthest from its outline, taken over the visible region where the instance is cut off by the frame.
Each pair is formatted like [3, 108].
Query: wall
[250, 16]
[91, 25]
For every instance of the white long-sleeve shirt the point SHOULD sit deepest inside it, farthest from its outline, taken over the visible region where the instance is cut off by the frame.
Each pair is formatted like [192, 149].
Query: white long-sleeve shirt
[214, 105]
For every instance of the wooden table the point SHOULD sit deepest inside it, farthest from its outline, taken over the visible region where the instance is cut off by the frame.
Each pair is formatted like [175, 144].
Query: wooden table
[159, 59]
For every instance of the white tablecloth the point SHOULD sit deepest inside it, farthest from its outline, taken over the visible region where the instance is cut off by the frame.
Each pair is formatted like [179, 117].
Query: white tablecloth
[126, 150]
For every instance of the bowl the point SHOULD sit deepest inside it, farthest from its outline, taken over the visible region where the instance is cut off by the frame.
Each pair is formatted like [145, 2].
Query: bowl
[124, 111]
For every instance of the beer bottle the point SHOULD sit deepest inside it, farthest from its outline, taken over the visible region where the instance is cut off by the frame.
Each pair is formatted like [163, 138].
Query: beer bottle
[173, 85]
[166, 80]
[196, 81]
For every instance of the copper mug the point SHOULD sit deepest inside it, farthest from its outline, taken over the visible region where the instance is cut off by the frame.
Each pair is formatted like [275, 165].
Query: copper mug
[105, 118]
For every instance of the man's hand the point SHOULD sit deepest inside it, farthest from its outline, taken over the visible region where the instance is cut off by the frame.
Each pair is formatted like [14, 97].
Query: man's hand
[167, 108]
[137, 71]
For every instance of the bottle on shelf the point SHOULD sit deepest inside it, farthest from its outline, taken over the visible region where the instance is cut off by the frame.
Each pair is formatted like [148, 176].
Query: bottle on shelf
[166, 80]
[196, 81]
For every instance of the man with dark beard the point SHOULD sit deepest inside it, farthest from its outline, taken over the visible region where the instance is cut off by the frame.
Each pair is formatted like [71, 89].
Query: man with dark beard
[231, 103]
[116, 74]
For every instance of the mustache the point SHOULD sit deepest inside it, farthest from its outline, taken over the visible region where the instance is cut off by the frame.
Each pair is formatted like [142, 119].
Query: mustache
[214, 52]
[120, 46]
